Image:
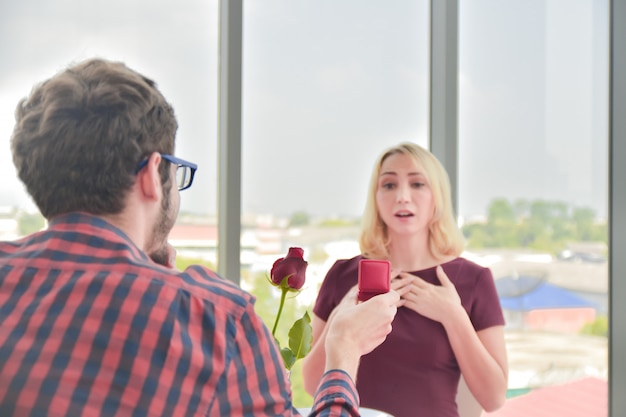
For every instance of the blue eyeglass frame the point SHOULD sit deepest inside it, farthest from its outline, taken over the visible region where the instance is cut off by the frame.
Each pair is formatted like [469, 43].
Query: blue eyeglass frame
[174, 160]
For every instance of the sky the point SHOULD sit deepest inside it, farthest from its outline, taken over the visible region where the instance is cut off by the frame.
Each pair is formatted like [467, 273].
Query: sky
[327, 85]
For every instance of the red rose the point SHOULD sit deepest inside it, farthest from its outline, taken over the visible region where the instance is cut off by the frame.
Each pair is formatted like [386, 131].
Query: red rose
[288, 274]
[292, 266]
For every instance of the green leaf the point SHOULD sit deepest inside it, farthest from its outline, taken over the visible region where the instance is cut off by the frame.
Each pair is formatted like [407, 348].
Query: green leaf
[301, 336]
[288, 357]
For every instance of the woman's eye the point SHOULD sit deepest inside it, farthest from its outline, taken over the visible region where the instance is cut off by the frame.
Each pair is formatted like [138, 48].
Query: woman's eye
[388, 185]
[417, 184]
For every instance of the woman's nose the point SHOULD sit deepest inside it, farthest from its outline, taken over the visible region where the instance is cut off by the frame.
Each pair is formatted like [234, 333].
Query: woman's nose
[404, 194]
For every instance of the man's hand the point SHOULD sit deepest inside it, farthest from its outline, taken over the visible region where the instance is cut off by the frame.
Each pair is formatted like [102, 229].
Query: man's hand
[165, 256]
[357, 329]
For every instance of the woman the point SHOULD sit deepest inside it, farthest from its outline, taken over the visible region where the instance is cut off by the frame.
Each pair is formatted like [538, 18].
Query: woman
[450, 322]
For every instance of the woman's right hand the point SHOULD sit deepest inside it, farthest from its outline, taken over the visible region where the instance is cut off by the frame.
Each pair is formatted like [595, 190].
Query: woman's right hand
[401, 283]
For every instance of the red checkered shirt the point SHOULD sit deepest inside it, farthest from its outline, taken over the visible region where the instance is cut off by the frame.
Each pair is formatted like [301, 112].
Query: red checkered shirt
[89, 325]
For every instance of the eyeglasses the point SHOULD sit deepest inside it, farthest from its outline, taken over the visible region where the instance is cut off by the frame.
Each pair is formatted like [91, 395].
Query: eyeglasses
[184, 170]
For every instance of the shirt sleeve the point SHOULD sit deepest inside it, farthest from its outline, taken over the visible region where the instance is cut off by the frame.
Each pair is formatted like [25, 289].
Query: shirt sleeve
[486, 310]
[339, 279]
[324, 303]
[336, 396]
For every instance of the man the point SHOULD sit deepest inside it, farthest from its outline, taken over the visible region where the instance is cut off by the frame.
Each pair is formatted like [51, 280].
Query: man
[94, 320]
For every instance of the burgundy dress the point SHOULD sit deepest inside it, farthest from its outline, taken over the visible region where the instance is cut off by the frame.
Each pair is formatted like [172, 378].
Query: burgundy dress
[414, 372]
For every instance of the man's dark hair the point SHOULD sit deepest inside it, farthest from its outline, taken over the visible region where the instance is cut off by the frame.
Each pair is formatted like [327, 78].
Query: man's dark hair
[79, 136]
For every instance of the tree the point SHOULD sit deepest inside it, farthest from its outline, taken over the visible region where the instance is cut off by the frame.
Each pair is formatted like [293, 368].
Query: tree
[583, 223]
[501, 224]
[182, 263]
[539, 224]
[299, 218]
[30, 223]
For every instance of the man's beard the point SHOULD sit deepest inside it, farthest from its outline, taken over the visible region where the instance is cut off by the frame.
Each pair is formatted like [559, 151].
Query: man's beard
[167, 217]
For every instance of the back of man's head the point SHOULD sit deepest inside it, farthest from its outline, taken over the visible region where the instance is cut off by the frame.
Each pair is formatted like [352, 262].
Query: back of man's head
[79, 136]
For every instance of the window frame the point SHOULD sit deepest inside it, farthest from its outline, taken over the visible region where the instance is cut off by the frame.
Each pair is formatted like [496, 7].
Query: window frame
[444, 143]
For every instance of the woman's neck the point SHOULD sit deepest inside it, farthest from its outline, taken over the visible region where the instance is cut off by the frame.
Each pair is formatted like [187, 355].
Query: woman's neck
[412, 254]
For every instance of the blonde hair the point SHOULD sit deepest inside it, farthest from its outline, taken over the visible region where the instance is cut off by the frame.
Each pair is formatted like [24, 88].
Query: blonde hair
[445, 237]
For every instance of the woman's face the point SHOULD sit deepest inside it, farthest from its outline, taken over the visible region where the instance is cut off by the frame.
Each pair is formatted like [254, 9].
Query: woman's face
[403, 196]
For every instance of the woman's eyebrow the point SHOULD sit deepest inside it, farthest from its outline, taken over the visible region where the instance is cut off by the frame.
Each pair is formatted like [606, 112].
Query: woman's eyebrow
[416, 173]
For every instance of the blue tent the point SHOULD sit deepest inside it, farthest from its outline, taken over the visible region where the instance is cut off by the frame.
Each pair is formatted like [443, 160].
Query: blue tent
[526, 293]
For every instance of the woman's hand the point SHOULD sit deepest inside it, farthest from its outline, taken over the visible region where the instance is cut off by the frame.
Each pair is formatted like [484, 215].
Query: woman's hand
[432, 301]
[401, 283]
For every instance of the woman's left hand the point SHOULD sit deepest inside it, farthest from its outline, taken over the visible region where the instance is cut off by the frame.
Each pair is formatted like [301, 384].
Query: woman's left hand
[432, 301]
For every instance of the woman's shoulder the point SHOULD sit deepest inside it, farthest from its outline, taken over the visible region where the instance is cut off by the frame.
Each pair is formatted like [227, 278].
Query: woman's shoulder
[467, 263]
[341, 266]
[466, 267]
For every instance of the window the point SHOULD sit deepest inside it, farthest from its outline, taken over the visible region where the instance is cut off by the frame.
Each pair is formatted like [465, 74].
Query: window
[327, 86]
[533, 178]
[174, 44]
[319, 105]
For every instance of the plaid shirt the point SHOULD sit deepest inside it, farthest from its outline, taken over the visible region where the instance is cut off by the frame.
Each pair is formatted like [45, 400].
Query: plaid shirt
[89, 325]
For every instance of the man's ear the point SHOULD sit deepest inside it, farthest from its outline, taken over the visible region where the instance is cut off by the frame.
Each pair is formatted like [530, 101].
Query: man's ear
[149, 179]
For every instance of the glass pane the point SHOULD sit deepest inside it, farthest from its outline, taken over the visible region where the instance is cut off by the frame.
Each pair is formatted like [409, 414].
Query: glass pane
[533, 179]
[327, 86]
[173, 43]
